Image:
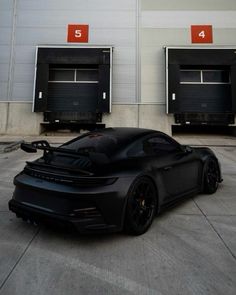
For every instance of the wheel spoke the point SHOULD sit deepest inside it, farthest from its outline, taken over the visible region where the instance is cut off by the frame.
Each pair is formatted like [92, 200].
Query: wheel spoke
[212, 174]
[136, 210]
[147, 190]
[211, 177]
[142, 205]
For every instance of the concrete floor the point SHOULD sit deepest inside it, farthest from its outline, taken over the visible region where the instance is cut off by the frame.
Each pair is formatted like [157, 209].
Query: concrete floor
[190, 249]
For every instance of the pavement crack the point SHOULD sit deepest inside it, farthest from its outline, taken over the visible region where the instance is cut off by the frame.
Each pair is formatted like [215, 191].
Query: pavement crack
[215, 230]
[19, 259]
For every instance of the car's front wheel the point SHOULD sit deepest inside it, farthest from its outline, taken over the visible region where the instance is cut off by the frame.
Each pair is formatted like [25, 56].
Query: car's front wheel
[211, 177]
[141, 206]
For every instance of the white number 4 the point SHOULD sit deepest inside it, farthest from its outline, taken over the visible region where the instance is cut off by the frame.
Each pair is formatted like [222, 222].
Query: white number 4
[202, 34]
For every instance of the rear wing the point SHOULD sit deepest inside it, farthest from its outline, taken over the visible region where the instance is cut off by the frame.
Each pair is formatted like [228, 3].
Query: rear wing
[95, 157]
[45, 146]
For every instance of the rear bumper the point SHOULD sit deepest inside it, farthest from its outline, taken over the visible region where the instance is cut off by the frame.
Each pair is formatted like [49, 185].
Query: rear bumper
[82, 225]
[88, 210]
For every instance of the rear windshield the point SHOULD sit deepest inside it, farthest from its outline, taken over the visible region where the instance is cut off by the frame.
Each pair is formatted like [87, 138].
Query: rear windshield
[94, 142]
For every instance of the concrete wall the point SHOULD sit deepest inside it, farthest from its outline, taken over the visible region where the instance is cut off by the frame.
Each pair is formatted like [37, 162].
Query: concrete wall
[45, 22]
[25, 24]
[138, 30]
[139, 115]
[6, 25]
[17, 118]
[167, 23]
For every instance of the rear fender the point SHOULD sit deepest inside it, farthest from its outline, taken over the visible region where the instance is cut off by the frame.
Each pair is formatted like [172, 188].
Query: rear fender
[148, 175]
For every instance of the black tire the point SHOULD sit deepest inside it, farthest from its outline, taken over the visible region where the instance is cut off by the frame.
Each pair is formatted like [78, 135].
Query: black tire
[211, 177]
[141, 206]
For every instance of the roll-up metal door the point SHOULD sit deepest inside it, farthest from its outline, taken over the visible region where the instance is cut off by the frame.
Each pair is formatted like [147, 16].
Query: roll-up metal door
[201, 83]
[71, 82]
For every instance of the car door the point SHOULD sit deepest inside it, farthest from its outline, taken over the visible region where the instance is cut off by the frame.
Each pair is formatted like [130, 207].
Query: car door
[180, 174]
[178, 168]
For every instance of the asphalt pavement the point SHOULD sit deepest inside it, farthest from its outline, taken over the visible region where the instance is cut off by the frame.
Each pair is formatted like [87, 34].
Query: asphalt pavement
[190, 249]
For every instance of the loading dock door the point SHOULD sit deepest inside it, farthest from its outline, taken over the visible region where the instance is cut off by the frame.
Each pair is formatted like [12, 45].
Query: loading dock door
[73, 89]
[201, 84]
[201, 90]
[73, 84]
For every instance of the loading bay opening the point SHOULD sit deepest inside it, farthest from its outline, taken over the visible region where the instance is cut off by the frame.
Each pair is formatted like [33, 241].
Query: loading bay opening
[72, 85]
[201, 86]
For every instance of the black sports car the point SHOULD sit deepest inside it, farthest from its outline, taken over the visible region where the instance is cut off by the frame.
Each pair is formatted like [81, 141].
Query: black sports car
[111, 179]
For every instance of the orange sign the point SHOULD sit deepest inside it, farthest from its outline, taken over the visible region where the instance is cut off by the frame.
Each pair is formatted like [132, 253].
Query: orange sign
[78, 33]
[201, 34]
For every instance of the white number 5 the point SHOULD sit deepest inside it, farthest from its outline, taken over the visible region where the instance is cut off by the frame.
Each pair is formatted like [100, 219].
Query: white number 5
[78, 33]
[202, 34]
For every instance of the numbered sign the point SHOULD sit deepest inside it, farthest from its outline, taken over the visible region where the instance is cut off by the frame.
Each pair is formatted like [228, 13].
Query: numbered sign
[201, 34]
[78, 33]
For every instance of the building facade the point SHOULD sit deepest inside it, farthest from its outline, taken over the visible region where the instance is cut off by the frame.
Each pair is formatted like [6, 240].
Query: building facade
[138, 31]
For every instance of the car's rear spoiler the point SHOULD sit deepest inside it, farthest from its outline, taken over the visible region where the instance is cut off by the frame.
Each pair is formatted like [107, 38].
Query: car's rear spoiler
[98, 158]
[45, 146]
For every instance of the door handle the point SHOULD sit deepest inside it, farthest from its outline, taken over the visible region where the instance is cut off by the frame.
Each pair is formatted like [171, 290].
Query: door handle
[167, 168]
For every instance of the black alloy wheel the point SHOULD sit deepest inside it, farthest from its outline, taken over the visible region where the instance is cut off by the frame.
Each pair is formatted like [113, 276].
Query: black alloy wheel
[141, 206]
[211, 177]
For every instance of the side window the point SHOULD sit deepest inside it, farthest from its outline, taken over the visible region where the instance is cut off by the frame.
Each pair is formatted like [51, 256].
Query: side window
[136, 150]
[157, 145]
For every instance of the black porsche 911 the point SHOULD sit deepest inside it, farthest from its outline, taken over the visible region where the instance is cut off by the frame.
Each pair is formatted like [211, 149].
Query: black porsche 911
[111, 179]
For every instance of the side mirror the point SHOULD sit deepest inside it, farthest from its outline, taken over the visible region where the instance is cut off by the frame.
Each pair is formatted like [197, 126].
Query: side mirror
[188, 149]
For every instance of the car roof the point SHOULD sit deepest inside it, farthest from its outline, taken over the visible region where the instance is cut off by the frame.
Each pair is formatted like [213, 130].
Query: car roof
[127, 132]
[114, 139]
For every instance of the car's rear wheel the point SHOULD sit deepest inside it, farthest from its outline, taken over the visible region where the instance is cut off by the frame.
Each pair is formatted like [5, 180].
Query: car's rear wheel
[141, 206]
[211, 177]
